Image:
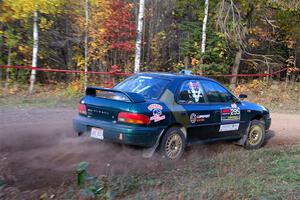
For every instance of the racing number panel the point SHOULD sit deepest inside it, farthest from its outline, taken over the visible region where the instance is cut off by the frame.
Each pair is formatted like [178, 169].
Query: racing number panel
[212, 111]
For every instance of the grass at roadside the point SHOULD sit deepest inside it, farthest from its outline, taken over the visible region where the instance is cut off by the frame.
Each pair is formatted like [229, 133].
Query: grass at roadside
[267, 173]
[45, 96]
[42, 100]
[260, 174]
[276, 96]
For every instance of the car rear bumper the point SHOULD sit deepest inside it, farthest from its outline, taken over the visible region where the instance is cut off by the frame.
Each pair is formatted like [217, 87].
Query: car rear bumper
[120, 133]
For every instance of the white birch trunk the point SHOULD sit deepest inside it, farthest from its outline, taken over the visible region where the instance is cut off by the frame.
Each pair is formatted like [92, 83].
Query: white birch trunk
[204, 25]
[34, 51]
[138, 45]
[86, 43]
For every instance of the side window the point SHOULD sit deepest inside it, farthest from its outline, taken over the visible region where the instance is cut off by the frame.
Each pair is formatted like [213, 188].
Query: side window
[191, 91]
[216, 93]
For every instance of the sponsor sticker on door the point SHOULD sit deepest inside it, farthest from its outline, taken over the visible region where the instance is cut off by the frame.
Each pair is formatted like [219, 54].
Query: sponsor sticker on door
[229, 127]
[198, 118]
[230, 114]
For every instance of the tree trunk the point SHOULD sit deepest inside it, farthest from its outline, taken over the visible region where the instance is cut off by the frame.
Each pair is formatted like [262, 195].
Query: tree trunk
[7, 69]
[150, 33]
[138, 45]
[297, 62]
[204, 25]
[186, 62]
[235, 68]
[297, 56]
[1, 52]
[86, 43]
[34, 52]
[268, 71]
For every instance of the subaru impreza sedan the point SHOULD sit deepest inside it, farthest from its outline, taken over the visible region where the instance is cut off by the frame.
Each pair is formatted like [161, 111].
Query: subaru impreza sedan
[167, 112]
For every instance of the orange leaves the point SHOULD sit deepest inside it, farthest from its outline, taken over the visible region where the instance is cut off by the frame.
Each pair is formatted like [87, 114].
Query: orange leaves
[111, 28]
[120, 26]
[100, 11]
[6, 12]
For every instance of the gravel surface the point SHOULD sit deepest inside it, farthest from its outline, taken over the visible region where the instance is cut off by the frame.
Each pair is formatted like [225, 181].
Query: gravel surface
[38, 148]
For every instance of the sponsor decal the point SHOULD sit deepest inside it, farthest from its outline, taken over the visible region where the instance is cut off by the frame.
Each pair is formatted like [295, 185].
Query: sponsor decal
[198, 118]
[193, 118]
[229, 127]
[155, 106]
[157, 112]
[233, 105]
[195, 91]
[231, 114]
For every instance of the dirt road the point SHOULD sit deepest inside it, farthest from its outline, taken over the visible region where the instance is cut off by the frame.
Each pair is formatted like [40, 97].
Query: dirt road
[38, 148]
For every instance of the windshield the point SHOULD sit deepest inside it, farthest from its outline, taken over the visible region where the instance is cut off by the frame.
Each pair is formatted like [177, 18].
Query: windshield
[148, 87]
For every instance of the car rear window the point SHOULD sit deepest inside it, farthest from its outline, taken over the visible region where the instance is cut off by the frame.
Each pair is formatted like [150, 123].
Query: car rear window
[112, 95]
[147, 86]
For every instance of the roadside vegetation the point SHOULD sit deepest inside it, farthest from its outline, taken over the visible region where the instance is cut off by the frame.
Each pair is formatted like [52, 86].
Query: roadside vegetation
[277, 96]
[240, 174]
[261, 174]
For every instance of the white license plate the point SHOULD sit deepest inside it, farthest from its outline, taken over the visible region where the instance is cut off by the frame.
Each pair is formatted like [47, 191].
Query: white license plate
[97, 133]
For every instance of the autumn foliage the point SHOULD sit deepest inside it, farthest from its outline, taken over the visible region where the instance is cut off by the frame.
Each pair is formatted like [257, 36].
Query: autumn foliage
[120, 27]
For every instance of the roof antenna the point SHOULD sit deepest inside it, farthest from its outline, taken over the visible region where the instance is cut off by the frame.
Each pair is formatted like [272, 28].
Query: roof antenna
[186, 72]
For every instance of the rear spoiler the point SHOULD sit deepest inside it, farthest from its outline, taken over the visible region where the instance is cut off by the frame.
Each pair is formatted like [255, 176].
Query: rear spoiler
[133, 97]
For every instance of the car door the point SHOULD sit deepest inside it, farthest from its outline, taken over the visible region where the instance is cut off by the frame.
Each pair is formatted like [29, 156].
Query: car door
[192, 98]
[229, 112]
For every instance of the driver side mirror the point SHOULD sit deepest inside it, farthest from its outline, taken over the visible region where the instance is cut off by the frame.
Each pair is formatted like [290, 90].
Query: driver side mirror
[243, 96]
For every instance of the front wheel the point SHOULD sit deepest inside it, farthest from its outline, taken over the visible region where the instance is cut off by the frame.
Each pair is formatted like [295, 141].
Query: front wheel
[173, 144]
[256, 135]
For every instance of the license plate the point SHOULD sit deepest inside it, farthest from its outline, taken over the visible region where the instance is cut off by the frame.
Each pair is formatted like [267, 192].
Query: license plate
[97, 133]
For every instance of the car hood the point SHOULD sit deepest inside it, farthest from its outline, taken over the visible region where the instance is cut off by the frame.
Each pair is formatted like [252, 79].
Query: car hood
[254, 106]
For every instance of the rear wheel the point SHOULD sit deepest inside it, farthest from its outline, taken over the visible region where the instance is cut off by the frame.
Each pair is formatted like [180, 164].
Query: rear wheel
[173, 144]
[256, 135]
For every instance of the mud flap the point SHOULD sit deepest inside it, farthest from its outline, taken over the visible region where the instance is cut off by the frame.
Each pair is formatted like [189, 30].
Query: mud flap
[148, 153]
[242, 141]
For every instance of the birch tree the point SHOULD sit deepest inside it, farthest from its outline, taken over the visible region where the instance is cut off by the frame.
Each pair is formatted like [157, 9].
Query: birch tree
[138, 45]
[204, 25]
[34, 51]
[26, 9]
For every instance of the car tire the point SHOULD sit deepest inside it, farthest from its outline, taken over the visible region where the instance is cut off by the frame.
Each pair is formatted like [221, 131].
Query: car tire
[173, 144]
[256, 135]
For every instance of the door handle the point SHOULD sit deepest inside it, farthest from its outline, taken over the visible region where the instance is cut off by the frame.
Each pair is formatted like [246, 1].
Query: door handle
[218, 112]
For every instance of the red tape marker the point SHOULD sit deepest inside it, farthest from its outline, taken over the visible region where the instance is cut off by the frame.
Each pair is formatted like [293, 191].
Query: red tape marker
[68, 71]
[117, 73]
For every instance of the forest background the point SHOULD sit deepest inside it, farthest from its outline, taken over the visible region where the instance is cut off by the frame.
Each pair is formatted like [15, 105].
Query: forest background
[242, 37]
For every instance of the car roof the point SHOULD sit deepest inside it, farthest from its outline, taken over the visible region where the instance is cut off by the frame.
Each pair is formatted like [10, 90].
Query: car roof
[172, 76]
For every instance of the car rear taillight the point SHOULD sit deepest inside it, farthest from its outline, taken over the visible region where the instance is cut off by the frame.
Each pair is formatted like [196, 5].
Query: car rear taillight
[82, 109]
[133, 118]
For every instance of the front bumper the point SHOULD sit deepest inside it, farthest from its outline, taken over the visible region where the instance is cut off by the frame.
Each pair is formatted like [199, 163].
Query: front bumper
[133, 135]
